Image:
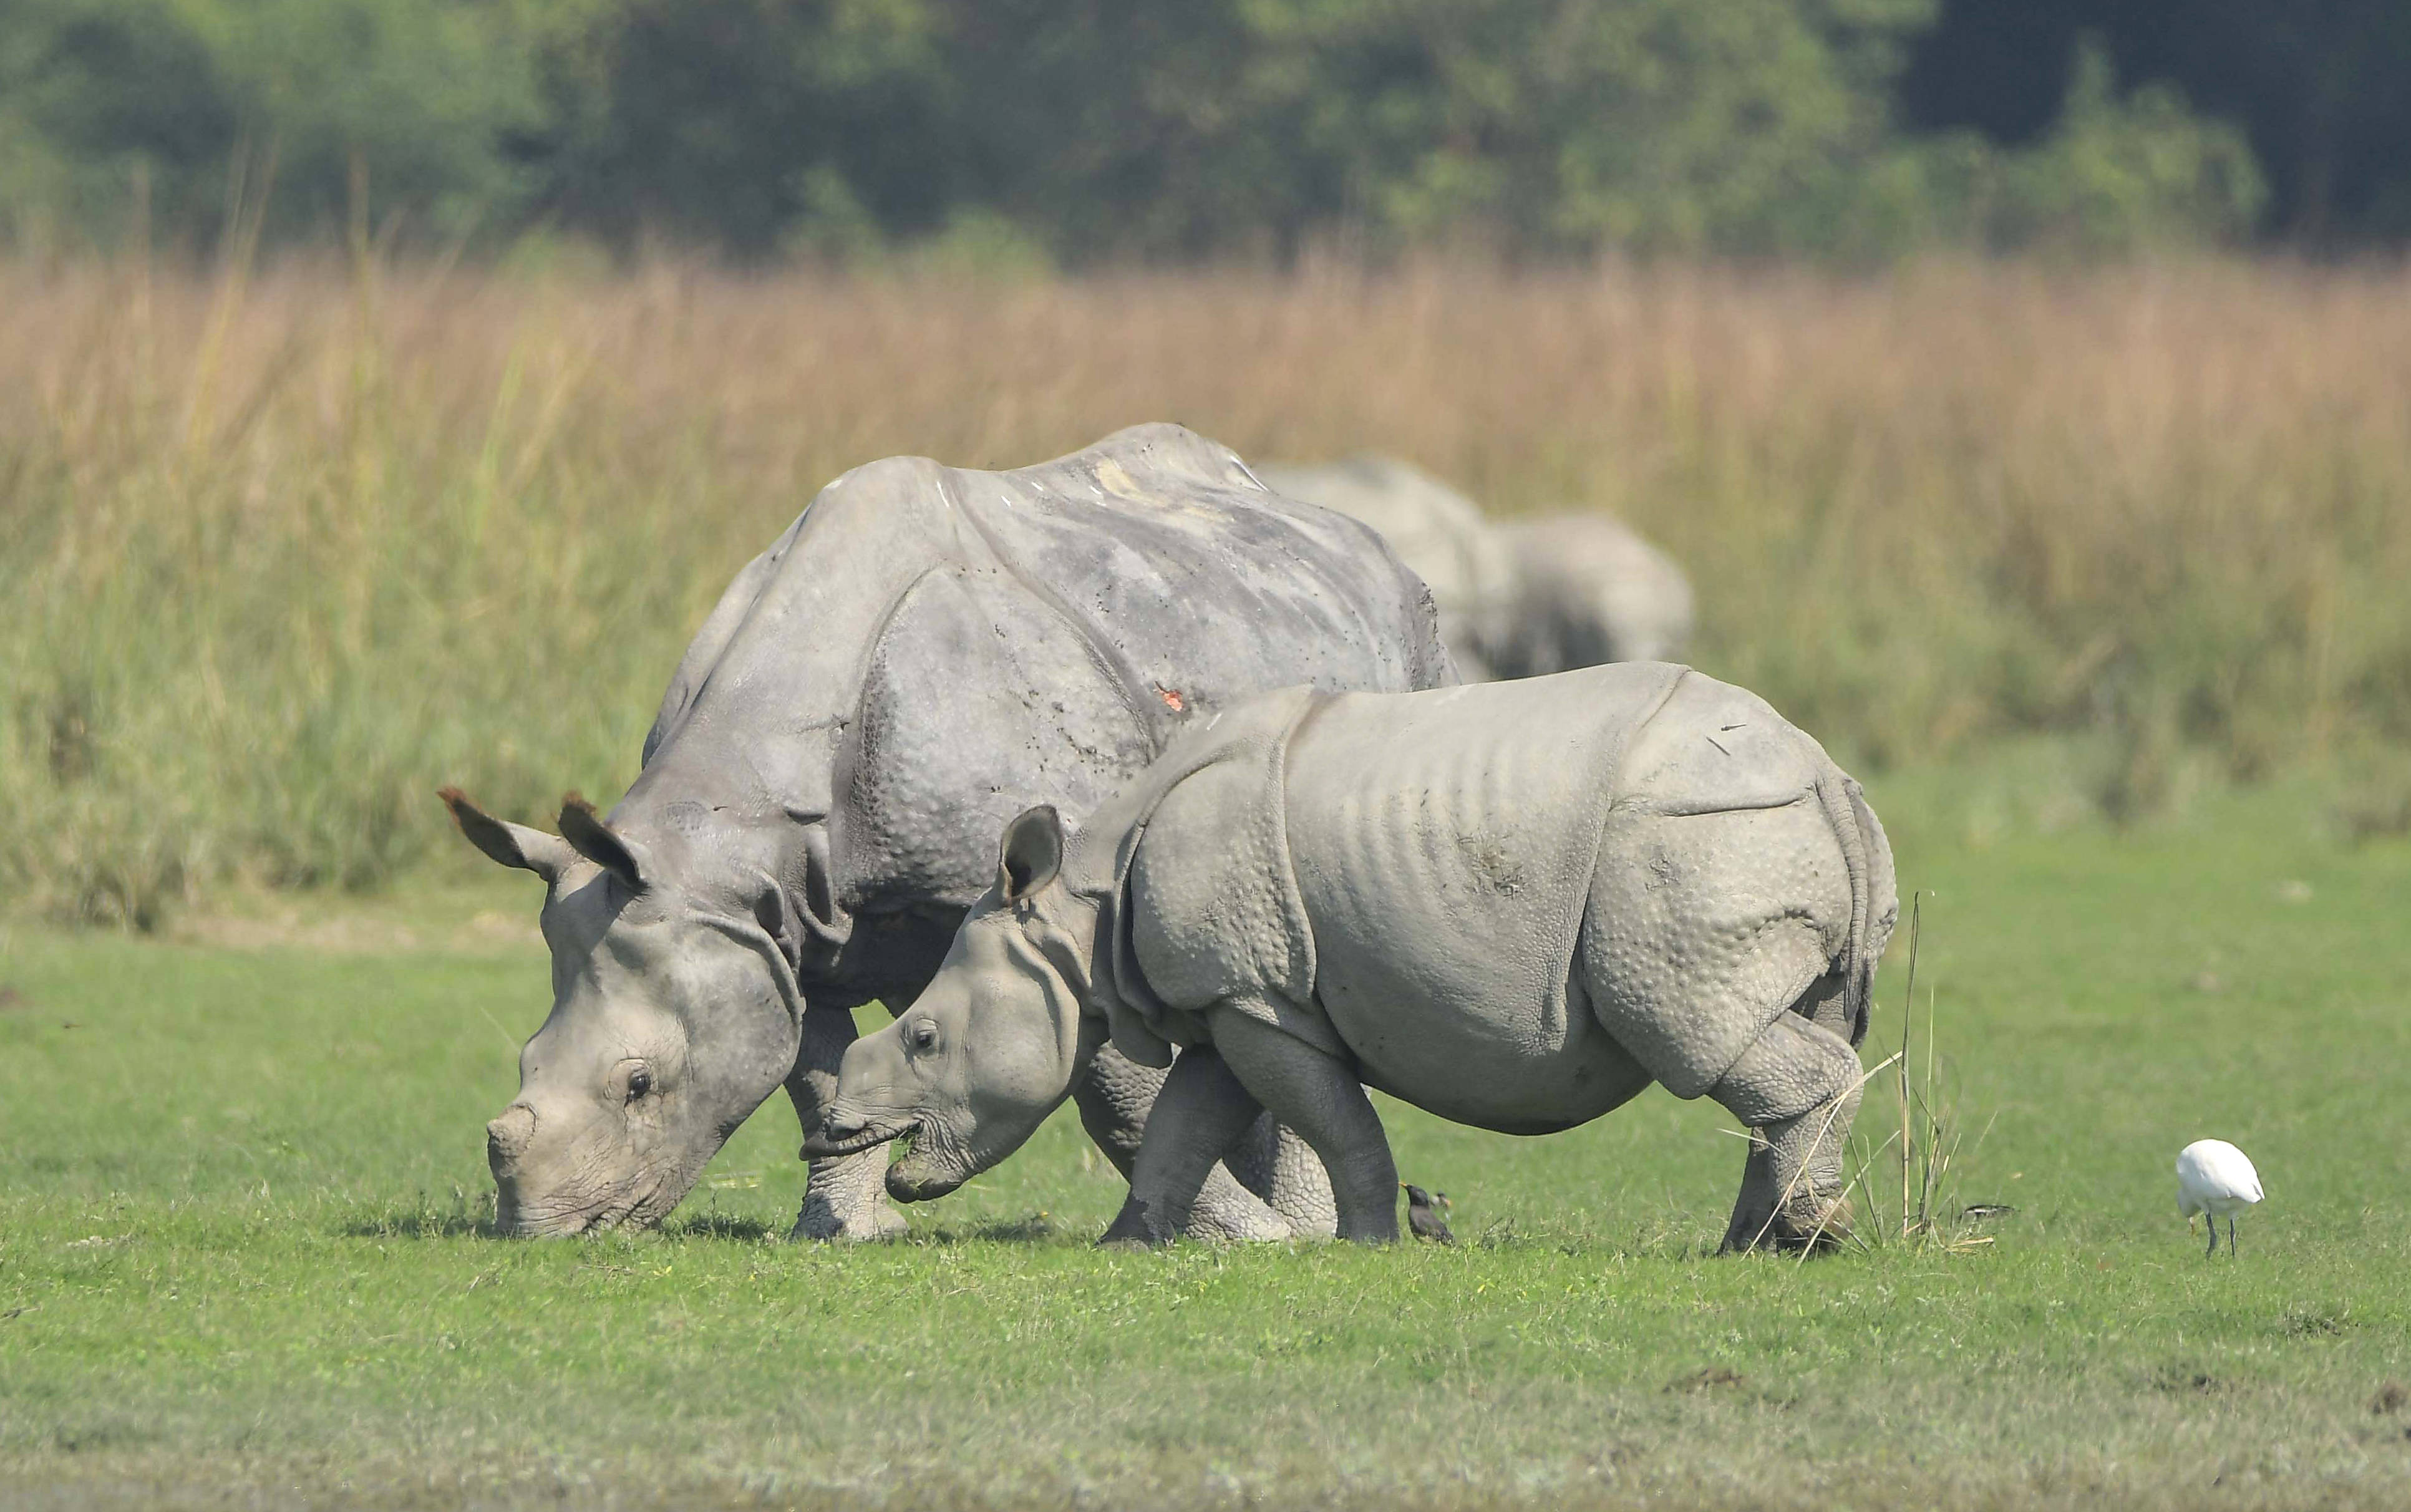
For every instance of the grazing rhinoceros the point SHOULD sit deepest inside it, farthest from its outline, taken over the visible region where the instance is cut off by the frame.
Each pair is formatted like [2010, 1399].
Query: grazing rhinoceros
[1517, 598]
[1588, 589]
[1514, 905]
[925, 652]
[1436, 531]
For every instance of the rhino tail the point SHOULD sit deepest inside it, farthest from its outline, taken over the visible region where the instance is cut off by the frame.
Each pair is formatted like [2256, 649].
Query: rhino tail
[1868, 858]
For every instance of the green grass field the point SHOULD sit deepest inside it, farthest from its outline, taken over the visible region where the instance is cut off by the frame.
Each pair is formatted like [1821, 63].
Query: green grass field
[241, 1257]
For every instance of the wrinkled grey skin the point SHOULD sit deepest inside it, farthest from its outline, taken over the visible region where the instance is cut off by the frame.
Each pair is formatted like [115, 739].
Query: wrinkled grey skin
[1436, 531]
[1513, 905]
[926, 651]
[1517, 598]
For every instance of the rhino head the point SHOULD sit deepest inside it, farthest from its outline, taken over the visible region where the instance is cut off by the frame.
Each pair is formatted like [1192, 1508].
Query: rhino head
[675, 1013]
[993, 1044]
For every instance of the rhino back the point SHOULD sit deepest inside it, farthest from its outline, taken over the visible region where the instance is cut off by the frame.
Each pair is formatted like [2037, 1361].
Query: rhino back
[931, 649]
[762, 697]
[1200, 584]
[1185, 578]
[1444, 844]
[1438, 532]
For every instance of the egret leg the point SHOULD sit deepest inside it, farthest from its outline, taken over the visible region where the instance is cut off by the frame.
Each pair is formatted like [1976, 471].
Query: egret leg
[2230, 1236]
[2213, 1227]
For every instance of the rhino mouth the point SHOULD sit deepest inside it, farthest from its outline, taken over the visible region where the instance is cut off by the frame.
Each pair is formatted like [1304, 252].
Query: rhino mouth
[919, 1176]
[822, 1144]
[634, 1212]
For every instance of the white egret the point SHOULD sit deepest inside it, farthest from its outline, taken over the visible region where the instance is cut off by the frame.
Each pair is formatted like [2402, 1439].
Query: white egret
[2216, 1180]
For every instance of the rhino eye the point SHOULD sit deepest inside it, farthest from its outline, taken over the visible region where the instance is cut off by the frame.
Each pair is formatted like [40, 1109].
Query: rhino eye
[640, 1082]
[924, 1036]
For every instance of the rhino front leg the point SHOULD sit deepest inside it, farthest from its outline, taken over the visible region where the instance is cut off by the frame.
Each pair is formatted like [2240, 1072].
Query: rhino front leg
[1318, 1095]
[1116, 1101]
[1796, 1089]
[1199, 1112]
[845, 1197]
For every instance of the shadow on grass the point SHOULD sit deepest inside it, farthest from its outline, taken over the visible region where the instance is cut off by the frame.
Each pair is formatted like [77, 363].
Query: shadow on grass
[722, 1225]
[1033, 1229]
[419, 1226]
[423, 1215]
[464, 1219]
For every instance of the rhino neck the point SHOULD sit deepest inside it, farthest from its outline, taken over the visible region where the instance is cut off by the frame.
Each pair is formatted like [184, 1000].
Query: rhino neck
[740, 767]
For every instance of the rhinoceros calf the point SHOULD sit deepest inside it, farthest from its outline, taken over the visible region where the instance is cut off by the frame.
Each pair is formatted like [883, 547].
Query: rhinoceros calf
[924, 652]
[1514, 905]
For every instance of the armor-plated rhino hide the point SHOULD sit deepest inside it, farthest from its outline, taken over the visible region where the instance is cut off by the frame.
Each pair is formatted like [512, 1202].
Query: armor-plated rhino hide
[924, 652]
[1514, 905]
[1339, 856]
[1518, 598]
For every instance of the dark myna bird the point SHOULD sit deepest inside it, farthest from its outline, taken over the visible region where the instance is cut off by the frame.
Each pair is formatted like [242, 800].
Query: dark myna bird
[1423, 1211]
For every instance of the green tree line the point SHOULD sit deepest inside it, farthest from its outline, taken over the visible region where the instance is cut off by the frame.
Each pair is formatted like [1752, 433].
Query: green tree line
[1081, 131]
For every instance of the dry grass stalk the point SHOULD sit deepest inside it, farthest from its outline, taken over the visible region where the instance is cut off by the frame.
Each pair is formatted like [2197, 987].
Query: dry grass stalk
[284, 548]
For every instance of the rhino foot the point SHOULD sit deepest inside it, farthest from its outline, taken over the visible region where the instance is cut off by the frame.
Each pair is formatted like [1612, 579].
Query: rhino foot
[845, 1200]
[1226, 1211]
[1275, 1165]
[818, 1222]
[1803, 1224]
[1138, 1225]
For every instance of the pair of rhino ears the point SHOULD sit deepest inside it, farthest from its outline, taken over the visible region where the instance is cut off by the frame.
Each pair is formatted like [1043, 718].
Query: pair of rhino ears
[1030, 855]
[583, 834]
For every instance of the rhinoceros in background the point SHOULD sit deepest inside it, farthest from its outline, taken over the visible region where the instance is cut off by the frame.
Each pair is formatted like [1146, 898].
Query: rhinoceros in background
[1513, 905]
[1436, 531]
[1517, 598]
[926, 651]
[1588, 589]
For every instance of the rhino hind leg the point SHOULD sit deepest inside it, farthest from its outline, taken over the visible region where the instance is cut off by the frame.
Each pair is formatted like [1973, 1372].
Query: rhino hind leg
[1114, 1099]
[1796, 1089]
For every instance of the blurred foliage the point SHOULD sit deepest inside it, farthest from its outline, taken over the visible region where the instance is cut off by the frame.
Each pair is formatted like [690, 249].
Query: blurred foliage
[174, 110]
[1072, 132]
[282, 552]
[2321, 91]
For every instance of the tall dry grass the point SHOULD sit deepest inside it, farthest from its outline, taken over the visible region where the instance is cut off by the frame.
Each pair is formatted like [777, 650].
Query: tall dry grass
[279, 552]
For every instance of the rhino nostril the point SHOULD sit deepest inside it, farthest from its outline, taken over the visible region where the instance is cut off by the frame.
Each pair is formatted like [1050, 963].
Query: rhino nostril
[507, 1137]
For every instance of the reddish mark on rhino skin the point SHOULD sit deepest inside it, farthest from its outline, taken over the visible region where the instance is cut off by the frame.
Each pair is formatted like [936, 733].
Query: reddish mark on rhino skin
[1172, 699]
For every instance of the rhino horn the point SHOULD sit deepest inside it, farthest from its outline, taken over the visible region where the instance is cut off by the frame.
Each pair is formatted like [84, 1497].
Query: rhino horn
[512, 845]
[599, 843]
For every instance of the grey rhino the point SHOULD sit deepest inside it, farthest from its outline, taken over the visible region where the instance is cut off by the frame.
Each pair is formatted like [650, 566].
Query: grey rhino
[924, 651]
[1516, 597]
[1588, 588]
[1436, 531]
[1514, 905]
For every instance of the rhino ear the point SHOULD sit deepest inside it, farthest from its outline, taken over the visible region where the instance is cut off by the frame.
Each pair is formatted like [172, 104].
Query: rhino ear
[512, 845]
[599, 843]
[1031, 854]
